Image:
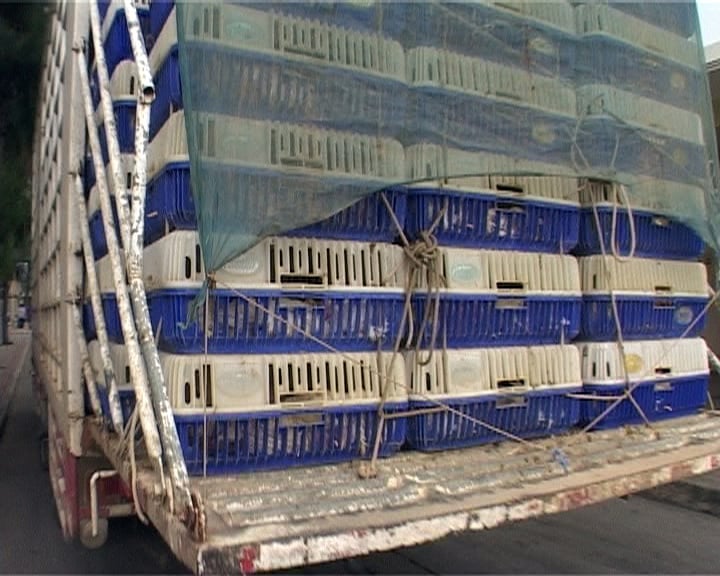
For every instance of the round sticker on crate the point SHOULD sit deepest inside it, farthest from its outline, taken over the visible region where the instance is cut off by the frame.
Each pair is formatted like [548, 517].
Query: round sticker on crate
[684, 315]
[542, 45]
[678, 81]
[543, 133]
[633, 363]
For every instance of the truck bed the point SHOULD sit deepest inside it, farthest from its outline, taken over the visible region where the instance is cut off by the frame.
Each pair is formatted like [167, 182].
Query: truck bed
[281, 519]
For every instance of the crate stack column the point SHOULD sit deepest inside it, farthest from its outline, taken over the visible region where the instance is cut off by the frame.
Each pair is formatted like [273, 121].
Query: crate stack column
[123, 91]
[638, 80]
[253, 376]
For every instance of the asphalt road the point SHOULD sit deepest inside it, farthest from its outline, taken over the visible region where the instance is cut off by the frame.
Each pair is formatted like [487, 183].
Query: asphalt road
[636, 535]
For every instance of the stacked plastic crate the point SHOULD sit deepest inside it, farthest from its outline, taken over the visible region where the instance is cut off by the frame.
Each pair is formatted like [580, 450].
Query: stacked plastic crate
[289, 357]
[636, 309]
[123, 90]
[500, 304]
[638, 79]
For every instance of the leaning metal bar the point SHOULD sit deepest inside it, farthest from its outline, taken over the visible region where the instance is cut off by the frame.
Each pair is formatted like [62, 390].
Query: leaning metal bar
[174, 459]
[137, 366]
[98, 314]
[116, 169]
[88, 372]
[147, 87]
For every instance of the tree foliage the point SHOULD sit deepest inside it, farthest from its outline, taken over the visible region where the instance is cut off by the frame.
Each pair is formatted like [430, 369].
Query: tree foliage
[22, 38]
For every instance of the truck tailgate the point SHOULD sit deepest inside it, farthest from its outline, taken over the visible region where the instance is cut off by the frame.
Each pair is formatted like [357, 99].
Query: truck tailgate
[274, 520]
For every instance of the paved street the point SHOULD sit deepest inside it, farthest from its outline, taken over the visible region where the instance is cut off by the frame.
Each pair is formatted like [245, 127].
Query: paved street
[636, 535]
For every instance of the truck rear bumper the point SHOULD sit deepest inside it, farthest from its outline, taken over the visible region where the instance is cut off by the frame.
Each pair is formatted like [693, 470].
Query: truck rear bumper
[275, 520]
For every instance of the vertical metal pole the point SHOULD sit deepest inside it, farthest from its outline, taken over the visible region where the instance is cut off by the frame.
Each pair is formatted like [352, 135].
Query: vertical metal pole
[137, 366]
[98, 314]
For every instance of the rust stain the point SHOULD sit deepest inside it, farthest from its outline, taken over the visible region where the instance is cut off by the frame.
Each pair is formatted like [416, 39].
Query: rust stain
[246, 560]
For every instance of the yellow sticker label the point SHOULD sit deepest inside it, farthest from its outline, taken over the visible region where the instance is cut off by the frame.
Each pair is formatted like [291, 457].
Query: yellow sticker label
[633, 363]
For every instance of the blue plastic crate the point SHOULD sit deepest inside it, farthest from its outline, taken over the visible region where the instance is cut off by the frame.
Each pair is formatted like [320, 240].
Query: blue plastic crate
[117, 42]
[481, 319]
[89, 176]
[641, 317]
[345, 320]
[97, 231]
[159, 12]
[125, 126]
[127, 402]
[485, 220]
[168, 92]
[284, 438]
[531, 414]
[170, 206]
[604, 60]
[112, 318]
[609, 145]
[658, 400]
[88, 320]
[655, 236]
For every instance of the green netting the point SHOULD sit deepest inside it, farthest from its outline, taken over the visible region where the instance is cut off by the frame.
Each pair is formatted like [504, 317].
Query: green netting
[296, 110]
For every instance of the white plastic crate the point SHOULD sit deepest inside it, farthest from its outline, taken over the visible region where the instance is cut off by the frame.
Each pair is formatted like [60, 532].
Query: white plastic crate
[124, 81]
[169, 145]
[556, 13]
[600, 18]
[433, 67]
[455, 373]
[238, 26]
[299, 148]
[595, 99]
[602, 362]
[247, 383]
[646, 194]
[176, 261]
[429, 161]
[509, 272]
[601, 274]
[128, 167]
[279, 146]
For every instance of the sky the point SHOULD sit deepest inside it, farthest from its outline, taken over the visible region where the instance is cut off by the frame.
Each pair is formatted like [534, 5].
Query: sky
[709, 11]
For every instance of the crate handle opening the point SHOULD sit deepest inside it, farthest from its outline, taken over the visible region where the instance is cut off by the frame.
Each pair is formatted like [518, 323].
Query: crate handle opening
[509, 188]
[663, 387]
[665, 304]
[510, 285]
[306, 279]
[302, 398]
[663, 289]
[300, 301]
[510, 383]
[663, 370]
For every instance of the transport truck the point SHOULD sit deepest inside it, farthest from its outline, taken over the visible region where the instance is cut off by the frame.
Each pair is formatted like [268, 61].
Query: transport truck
[134, 431]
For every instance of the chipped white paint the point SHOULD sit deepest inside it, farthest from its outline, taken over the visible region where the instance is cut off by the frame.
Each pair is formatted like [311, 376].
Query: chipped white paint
[137, 366]
[98, 314]
[488, 518]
